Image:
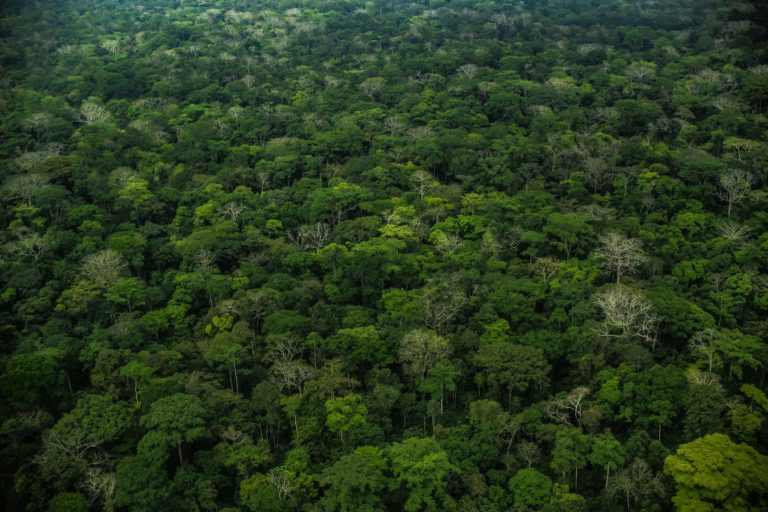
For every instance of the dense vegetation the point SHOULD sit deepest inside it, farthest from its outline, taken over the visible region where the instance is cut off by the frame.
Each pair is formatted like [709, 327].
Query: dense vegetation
[355, 256]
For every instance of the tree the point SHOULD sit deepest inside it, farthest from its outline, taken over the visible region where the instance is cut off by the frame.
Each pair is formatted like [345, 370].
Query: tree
[529, 451]
[442, 377]
[607, 453]
[371, 87]
[30, 244]
[714, 473]
[705, 403]
[73, 447]
[238, 450]
[361, 348]
[620, 255]
[288, 370]
[571, 404]
[636, 481]
[570, 452]
[423, 183]
[92, 112]
[103, 268]
[26, 186]
[420, 468]
[704, 344]
[441, 303]
[225, 348]
[259, 494]
[68, 502]
[233, 210]
[355, 481]
[735, 186]
[468, 70]
[512, 367]
[336, 202]
[28, 378]
[137, 372]
[628, 315]
[127, 290]
[421, 349]
[345, 413]
[531, 489]
[142, 483]
[312, 237]
[179, 418]
[570, 229]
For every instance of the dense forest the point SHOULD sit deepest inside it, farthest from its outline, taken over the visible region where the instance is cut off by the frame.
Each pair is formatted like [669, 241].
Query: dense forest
[346, 255]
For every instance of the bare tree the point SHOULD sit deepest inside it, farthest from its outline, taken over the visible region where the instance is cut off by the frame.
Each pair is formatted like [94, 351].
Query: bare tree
[236, 113]
[636, 481]
[103, 268]
[38, 122]
[263, 178]
[569, 407]
[26, 186]
[628, 315]
[394, 125]
[620, 255]
[696, 376]
[112, 46]
[597, 173]
[740, 145]
[283, 480]
[704, 344]
[232, 210]
[509, 430]
[371, 87]
[441, 304]
[733, 231]
[74, 442]
[547, 267]
[30, 244]
[122, 176]
[288, 370]
[99, 485]
[421, 132]
[205, 262]
[445, 243]
[31, 160]
[423, 183]
[221, 127]
[421, 349]
[256, 304]
[92, 113]
[311, 237]
[529, 452]
[735, 186]
[291, 374]
[468, 70]
[286, 348]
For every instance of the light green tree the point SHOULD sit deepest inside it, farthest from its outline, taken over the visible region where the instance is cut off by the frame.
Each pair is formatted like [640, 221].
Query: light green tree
[714, 473]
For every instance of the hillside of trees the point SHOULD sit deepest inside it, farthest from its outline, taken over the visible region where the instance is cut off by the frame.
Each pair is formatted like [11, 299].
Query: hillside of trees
[359, 256]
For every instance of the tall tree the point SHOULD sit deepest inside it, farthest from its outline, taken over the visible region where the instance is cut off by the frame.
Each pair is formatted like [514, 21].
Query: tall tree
[714, 473]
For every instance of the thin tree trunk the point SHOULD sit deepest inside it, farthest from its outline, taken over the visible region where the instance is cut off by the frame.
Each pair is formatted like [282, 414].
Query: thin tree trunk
[237, 381]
